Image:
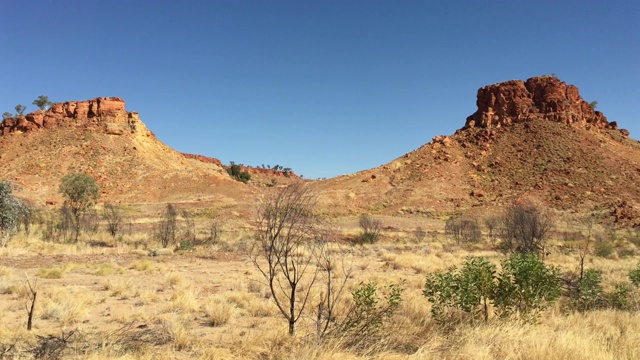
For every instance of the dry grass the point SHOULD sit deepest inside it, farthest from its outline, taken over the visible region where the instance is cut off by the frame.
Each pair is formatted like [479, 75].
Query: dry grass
[217, 312]
[108, 269]
[68, 305]
[212, 307]
[5, 271]
[121, 288]
[53, 273]
[145, 265]
[184, 300]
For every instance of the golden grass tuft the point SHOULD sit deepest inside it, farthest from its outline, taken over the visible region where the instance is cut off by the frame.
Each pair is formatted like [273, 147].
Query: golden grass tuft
[5, 271]
[120, 288]
[217, 312]
[178, 330]
[183, 300]
[145, 265]
[53, 273]
[67, 305]
[108, 269]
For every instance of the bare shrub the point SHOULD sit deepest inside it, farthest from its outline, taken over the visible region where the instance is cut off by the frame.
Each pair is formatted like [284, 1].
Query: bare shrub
[285, 248]
[112, 215]
[525, 228]
[370, 229]
[463, 229]
[215, 231]
[419, 234]
[335, 272]
[167, 227]
[492, 224]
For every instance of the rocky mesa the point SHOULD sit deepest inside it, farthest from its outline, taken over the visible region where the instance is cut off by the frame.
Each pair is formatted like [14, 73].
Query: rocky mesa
[536, 140]
[538, 98]
[104, 113]
[100, 137]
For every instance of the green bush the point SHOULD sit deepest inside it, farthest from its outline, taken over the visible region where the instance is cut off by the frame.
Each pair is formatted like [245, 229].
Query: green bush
[10, 209]
[369, 312]
[587, 294]
[526, 286]
[634, 275]
[237, 173]
[603, 248]
[469, 290]
[619, 298]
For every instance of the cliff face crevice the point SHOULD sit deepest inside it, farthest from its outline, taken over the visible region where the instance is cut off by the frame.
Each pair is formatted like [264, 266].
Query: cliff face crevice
[107, 114]
[538, 98]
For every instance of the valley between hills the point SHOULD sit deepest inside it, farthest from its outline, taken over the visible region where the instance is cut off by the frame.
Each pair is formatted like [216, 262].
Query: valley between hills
[204, 294]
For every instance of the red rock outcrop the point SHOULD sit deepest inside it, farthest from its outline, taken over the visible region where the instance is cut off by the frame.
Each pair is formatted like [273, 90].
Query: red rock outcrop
[204, 159]
[543, 97]
[107, 113]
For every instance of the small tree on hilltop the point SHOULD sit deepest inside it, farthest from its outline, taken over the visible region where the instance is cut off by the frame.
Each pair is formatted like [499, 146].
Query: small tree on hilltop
[81, 193]
[6, 115]
[10, 208]
[20, 109]
[42, 102]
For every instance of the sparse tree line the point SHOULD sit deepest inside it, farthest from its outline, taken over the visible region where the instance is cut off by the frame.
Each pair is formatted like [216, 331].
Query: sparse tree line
[238, 173]
[42, 102]
[277, 168]
[80, 215]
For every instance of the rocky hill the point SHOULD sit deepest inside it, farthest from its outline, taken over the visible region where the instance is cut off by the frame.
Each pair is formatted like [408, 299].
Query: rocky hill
[103, 139]
[535, 139]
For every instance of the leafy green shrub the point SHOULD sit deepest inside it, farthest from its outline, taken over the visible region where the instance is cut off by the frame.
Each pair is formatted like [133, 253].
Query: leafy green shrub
[469, 290]
[587, 293]
[81, 192]
[634, 275]
[603, 248]
[619, 298]
[186, 245]
[237, 173]
[523, 288]
[526, 286]
[369, 312]
[10, 209]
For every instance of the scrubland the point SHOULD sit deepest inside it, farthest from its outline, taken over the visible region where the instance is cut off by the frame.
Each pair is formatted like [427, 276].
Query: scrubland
[208, 301]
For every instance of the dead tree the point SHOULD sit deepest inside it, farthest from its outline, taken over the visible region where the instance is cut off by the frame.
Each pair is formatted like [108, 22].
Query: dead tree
[31, 303]
[525, 228]
[285, 251]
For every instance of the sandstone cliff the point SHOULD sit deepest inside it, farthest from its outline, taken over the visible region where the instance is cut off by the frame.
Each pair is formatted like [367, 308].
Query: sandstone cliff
[538, 98]
[107, 114]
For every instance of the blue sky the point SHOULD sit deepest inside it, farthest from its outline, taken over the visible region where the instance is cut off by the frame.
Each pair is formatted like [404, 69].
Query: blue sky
[324, 87]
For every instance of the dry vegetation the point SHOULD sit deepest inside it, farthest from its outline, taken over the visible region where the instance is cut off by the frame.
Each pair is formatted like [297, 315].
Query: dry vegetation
[210, 302]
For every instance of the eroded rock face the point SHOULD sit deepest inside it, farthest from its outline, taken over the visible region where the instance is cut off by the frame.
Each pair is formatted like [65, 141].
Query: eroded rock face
[107, 114]
[204, 159]
[544, 98]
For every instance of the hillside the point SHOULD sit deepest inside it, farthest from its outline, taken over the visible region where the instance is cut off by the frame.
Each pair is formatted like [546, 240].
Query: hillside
[536, 140]
[101, 138]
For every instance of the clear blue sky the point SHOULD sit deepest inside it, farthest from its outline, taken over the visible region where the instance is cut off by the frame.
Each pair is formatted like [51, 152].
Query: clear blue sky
[324, 87]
